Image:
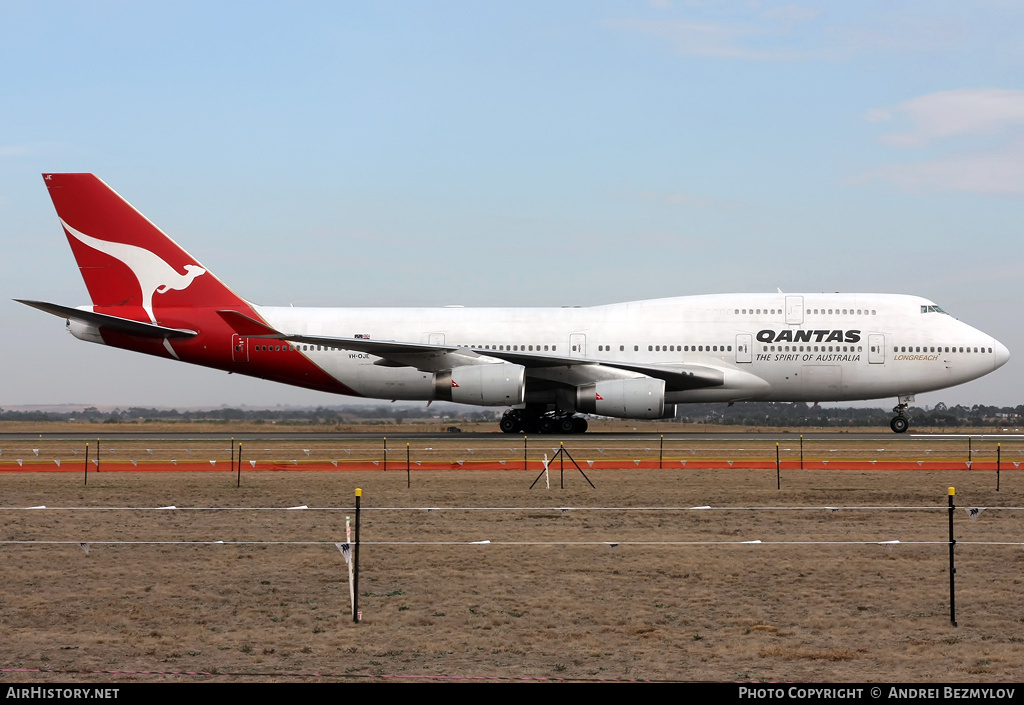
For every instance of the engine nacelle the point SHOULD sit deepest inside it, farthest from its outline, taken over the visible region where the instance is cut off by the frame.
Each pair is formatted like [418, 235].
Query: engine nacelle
[85, 331]
[496, 384]
[641, 398]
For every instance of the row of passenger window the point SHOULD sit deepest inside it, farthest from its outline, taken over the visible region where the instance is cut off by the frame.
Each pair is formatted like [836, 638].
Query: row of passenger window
[810, 311]
[520, 348]
[814, 348]
[674, 348]
[293, 348]
[937, 348]
[671, 348]
[319, 348]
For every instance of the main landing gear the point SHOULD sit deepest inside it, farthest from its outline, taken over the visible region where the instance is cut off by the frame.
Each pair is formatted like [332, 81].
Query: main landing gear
[901, 423]
[537, 421]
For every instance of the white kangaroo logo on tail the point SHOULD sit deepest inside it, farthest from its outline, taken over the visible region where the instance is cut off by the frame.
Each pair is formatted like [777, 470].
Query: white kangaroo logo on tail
[155, 276]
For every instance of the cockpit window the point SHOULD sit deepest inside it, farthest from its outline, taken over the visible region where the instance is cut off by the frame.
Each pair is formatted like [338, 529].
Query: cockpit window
[931, 309]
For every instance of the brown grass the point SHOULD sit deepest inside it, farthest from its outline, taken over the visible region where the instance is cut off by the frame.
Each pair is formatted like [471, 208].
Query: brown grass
[566, 606]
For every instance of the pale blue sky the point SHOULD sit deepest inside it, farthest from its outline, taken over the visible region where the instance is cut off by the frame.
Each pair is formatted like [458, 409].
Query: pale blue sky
[410, 153]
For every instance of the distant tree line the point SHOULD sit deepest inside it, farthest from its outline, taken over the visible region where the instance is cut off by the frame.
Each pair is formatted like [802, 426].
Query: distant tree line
[292, 416]
[801, 414]
[740, 414]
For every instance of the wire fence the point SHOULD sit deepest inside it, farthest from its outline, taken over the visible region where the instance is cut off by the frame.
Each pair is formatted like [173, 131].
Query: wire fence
[516, 452]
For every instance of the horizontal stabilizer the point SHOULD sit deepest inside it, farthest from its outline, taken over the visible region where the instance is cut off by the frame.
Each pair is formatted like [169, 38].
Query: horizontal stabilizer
[113, 323]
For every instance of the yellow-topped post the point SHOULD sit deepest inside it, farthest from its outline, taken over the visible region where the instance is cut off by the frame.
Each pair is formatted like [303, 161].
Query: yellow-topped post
[355, 558]
[952, 564]
[778, 473]
[999, 462]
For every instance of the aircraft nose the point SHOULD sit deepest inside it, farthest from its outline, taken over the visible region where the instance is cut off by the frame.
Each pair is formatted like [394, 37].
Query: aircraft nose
[1001, 354]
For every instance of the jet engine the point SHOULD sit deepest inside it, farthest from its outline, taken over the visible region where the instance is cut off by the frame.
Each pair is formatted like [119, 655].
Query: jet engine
[499, 384]
[640, 398]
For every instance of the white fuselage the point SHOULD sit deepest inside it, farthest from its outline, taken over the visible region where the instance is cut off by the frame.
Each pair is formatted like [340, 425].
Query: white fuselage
[779, 347]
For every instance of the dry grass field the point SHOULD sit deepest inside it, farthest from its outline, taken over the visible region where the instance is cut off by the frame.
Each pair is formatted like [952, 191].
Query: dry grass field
[820, 599]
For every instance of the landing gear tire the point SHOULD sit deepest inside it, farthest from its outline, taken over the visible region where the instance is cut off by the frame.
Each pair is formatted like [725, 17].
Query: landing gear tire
[510, 423]
[899, 424]
[538, 421]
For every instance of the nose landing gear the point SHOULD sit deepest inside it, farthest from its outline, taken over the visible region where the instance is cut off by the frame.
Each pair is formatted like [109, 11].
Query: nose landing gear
[901, 423]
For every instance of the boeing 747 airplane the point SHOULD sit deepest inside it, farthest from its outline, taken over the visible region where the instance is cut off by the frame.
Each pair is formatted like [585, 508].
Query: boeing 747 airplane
[547, 365]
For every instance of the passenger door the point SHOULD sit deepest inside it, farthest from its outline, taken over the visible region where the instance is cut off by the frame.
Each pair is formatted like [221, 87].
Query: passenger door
[744, 344]
[876, 348]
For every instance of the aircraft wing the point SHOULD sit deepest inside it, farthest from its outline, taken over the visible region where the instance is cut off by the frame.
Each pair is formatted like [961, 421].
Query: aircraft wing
[250, 327]
[102, 320]
[677, 377]
[434, 357]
